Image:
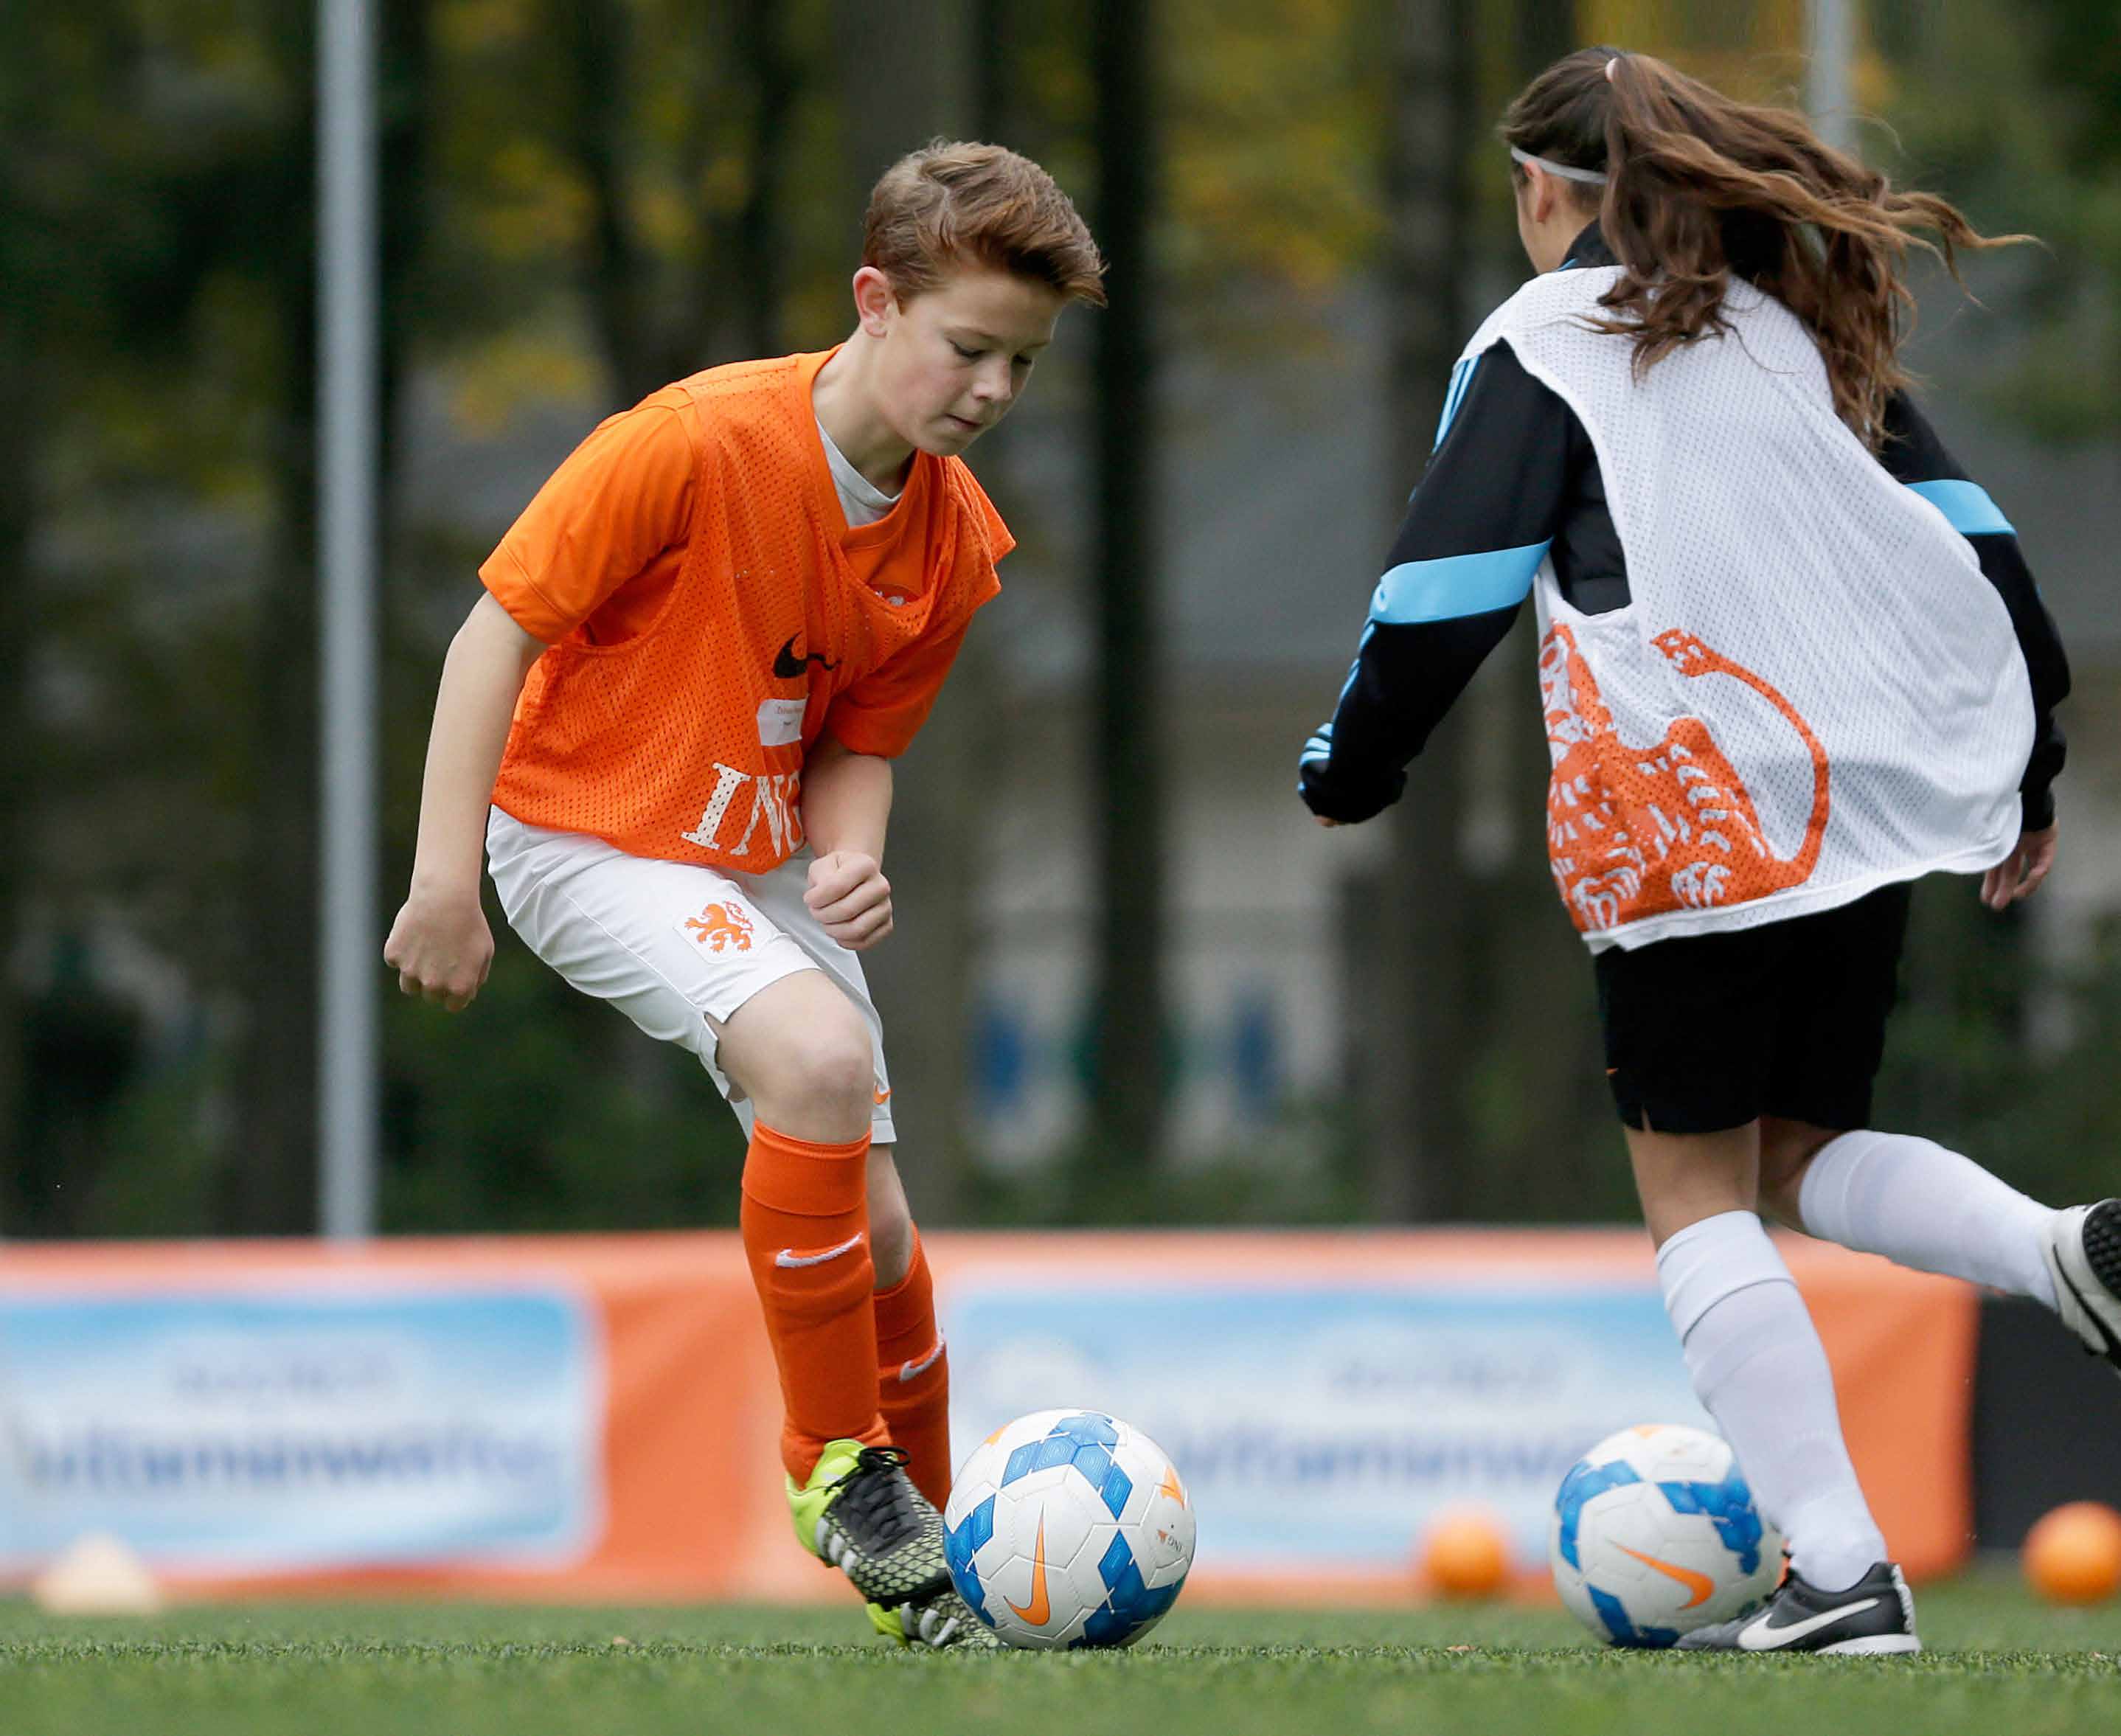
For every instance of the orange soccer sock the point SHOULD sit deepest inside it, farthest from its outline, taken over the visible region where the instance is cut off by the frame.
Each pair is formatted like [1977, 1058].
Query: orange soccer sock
[913, 1377]
[805, 1221]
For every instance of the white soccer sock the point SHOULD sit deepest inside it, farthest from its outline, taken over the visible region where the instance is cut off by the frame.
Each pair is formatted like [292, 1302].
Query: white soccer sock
[1757, 1365]
[1921, 1205]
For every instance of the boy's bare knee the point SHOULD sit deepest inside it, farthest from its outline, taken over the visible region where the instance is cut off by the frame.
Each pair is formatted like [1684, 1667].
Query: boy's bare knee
[831, 1066]
[802, 1051]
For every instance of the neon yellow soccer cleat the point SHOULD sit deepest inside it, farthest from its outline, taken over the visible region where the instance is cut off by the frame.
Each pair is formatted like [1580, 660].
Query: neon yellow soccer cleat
[860, 1512]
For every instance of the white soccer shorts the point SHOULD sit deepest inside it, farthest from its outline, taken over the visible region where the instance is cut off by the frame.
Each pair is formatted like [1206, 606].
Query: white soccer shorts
[671, 946]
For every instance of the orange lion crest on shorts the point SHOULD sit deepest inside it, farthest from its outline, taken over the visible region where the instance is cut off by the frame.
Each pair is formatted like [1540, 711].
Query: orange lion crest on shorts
[721, 928]
[1637, 832]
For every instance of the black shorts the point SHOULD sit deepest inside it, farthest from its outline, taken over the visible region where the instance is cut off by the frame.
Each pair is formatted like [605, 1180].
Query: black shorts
[1712, 1031]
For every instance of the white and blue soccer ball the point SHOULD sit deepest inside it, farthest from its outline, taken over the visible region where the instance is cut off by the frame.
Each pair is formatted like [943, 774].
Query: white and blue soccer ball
[1069, 1529]
[1656, 1533]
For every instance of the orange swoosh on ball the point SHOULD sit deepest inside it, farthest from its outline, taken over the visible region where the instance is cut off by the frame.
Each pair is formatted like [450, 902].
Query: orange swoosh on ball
[1700, 1584]
[1037, 1609]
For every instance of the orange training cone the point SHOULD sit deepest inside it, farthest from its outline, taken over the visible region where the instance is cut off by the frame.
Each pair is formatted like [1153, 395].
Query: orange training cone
[2073, 1555]
[1465, 1554]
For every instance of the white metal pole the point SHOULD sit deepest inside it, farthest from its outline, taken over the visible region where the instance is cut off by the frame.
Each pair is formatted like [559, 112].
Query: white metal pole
[347, 1082]
[1828, 92]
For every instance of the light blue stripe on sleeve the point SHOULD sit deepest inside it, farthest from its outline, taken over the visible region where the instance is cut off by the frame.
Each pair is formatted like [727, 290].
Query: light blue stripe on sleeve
[1355, 668]
[1966, 507]
[1462, 379]
[1455, 585]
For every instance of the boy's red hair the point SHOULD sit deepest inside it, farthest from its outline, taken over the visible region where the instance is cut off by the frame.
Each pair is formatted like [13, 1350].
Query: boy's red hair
[950, 202]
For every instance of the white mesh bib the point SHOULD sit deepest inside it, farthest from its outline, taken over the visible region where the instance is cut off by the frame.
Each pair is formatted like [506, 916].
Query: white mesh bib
[1814, 690]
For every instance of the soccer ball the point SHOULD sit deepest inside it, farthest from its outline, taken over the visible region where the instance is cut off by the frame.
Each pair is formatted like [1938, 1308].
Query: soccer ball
[1655, 1535]
[1069, 1529]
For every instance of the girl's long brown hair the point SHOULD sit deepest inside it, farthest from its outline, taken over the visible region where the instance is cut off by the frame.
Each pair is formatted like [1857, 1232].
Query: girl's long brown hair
[1698, 187]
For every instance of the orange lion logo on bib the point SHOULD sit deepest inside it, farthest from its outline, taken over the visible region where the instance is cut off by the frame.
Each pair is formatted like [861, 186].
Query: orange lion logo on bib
[721, 928]
[1637, 832]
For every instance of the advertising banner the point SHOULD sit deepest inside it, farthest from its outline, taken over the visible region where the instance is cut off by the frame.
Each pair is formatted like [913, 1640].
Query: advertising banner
[1329, 1425]
[1329, 1398]
[271, 1430]
[597, 1418]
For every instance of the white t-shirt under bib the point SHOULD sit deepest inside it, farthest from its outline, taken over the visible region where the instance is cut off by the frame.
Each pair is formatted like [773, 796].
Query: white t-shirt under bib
[862, 501]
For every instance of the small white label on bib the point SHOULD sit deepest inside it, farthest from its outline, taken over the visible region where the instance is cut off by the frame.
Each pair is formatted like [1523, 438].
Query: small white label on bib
[780, 722]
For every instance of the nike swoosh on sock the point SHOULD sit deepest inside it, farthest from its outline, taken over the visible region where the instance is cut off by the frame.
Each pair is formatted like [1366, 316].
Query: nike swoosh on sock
[913, 1370]
[790, 1257]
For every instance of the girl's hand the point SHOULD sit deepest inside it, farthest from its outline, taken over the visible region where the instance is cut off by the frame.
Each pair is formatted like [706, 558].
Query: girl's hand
[849, 895]
[441, 949]
[2019, 875]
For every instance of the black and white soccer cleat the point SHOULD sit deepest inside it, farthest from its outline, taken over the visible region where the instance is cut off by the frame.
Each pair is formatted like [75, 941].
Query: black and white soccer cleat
[1875, 1617]
[2084, 1255]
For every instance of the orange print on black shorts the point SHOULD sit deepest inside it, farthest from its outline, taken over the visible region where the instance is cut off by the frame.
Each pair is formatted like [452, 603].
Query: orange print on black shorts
[721, 928]
[1637, 832]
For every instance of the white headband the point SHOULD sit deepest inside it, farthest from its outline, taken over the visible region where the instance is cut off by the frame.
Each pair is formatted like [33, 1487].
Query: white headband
[1589, 177]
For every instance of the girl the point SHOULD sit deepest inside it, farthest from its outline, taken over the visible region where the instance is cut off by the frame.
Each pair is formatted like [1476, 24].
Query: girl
[734, 604]
[1791, 661]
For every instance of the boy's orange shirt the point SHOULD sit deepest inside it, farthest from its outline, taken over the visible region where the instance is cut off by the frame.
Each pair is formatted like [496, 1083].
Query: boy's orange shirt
[710, 614]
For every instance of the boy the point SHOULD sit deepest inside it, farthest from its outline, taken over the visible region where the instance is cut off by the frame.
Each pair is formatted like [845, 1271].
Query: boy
[735, 605]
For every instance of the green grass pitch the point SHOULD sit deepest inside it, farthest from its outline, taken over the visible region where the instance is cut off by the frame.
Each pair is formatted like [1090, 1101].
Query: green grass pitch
[1998, 1664]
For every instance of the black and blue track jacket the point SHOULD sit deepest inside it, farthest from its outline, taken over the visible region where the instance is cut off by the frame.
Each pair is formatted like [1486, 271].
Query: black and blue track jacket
[1514, 479]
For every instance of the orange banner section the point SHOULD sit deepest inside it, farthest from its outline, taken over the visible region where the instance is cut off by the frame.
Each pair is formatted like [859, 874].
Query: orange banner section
[1902, 1345]
[680, 1460]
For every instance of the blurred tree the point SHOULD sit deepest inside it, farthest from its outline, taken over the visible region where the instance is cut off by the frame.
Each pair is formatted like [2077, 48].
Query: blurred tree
[1418, 1055]
[657, 168]
[2052, 166]
[579, 209]
[898, 88]
[1129, 672]
[1542, 1141]
[674, 118]
[2007, 110]
[272, 1179]
[1545, 30]
[61, 268]
[270, 1186]
[82, 1043]
[1272, 120]
[33, 246]
[145, 200]
[2054, 1135]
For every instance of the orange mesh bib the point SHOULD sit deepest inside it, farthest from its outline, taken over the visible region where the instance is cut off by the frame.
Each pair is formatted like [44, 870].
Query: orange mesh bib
[687, 741]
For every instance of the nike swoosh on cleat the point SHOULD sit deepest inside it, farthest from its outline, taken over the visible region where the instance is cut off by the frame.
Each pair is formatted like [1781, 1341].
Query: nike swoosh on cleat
[1039, 1608]
[789, 1257]
[2105, 1331]
[1700, 1584]
[1778, 1637]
